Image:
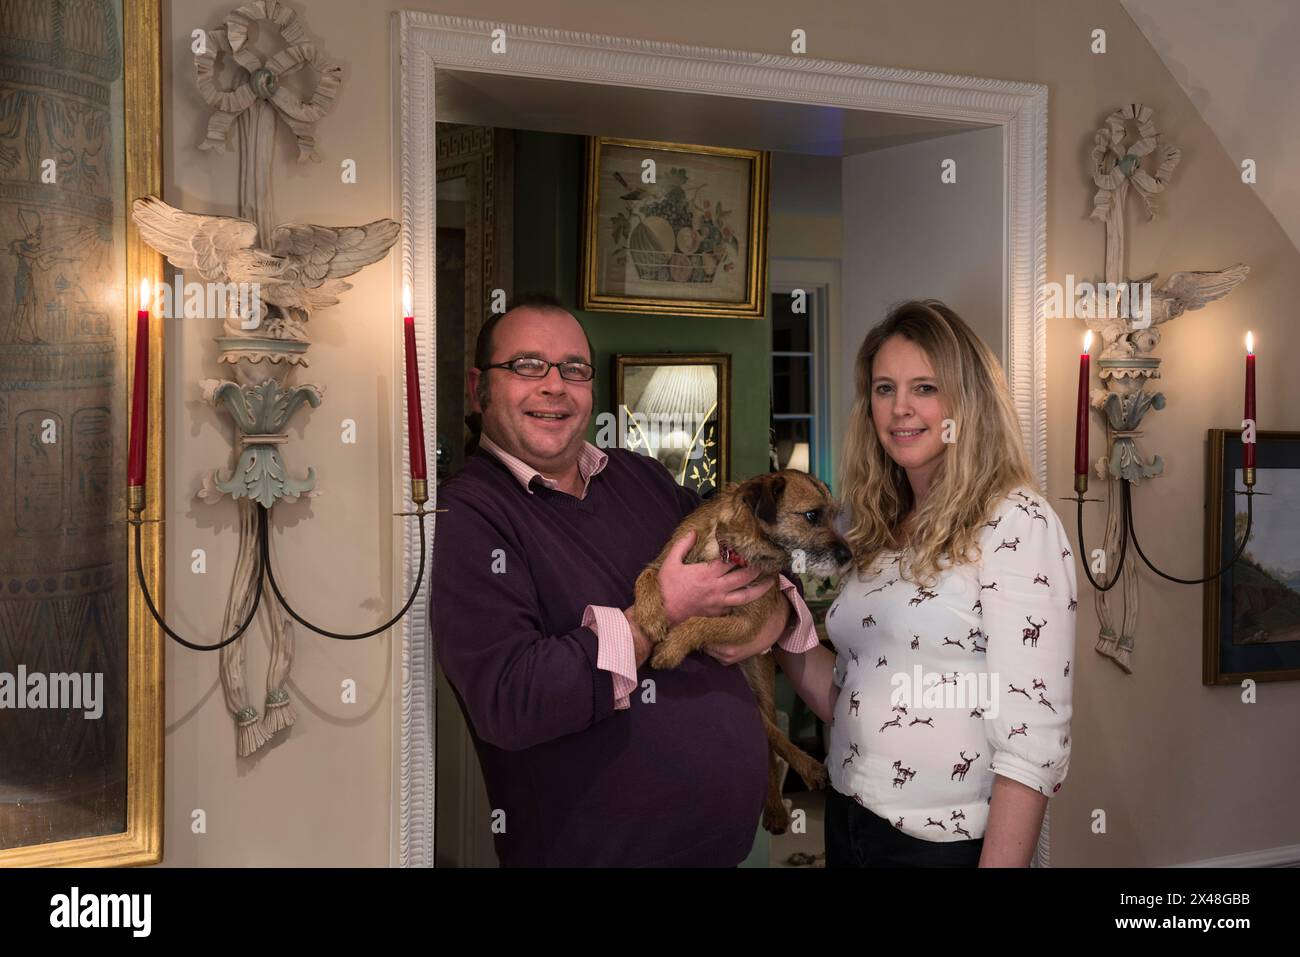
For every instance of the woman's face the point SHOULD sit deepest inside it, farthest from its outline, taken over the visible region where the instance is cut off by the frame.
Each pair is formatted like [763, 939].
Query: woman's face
[906, 406]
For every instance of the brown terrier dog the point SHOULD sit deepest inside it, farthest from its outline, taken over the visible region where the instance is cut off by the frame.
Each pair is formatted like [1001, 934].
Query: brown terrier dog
[766, 523]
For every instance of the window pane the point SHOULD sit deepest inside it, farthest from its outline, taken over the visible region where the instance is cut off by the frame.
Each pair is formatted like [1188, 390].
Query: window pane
[791, 384]
[790, 331]
[792, 449]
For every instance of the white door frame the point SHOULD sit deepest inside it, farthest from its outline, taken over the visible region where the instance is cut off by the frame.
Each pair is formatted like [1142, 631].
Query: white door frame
[423, 43]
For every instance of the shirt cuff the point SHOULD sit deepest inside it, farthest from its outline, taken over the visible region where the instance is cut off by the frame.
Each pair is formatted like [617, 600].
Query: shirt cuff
[1044, 780]
[802, 635]
[615, 650]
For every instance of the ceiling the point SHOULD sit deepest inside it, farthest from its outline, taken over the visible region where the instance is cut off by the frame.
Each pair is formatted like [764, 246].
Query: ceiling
[489, 99]
[1237, 63]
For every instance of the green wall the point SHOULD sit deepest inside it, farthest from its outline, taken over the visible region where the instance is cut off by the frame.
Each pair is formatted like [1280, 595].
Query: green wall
[548, 224]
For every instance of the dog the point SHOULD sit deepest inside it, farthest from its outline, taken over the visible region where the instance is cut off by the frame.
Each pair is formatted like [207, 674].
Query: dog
[763, 523]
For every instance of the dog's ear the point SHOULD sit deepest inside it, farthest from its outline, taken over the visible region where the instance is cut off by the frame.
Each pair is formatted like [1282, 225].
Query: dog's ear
[762, 497]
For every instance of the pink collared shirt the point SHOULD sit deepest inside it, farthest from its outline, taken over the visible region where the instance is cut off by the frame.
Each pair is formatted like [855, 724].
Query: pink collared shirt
[590, 461]
[616, 649]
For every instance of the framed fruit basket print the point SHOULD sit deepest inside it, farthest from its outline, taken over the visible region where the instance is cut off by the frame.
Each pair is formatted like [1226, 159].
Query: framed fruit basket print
[675, 229]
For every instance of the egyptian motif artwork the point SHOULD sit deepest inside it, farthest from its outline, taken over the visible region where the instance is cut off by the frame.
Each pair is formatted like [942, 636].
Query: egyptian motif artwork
[62, 414]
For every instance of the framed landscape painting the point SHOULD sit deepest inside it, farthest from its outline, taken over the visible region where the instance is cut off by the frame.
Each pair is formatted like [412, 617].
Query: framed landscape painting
[1252, 611]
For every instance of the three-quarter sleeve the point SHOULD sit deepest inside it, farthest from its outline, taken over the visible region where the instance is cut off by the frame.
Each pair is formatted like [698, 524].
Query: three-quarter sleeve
[1028, 595]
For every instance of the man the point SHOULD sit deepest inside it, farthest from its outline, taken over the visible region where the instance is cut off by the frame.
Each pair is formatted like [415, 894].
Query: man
[589, 760]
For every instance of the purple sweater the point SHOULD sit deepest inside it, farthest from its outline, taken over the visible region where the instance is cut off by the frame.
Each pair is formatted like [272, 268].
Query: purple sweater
[678, 778]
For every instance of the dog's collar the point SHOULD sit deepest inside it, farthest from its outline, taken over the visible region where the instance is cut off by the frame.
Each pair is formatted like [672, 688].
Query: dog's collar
[731, 556]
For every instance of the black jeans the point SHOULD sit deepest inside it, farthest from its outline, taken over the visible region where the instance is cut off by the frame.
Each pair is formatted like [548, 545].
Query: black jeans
[855, 837]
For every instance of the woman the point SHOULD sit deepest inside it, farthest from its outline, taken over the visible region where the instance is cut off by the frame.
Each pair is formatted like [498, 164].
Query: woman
[955, 626]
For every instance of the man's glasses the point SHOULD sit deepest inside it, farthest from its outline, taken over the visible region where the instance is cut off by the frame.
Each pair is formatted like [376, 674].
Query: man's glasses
[533, 368]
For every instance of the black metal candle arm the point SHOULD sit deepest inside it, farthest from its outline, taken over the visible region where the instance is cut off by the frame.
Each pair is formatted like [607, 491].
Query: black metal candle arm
[1128, 530]
[264, 569]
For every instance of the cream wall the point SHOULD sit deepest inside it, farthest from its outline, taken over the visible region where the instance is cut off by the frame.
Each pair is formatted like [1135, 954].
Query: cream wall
[804, 207]
[909, 235]
[1183, 772]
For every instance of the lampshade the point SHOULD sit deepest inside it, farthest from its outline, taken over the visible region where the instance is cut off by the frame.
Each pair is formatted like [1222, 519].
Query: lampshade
[798, 457]
[673, 390]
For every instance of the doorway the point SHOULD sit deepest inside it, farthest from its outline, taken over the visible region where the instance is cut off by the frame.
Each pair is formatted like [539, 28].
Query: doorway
[859, 117]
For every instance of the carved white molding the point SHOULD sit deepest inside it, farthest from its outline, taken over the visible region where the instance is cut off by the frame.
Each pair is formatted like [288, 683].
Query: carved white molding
[423, 43]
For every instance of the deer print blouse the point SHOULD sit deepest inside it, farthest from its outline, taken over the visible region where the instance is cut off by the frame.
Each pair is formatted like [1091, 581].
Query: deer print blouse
[943, 687]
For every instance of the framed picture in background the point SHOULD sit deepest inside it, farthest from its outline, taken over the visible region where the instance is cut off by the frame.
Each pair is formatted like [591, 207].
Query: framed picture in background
[677, 409]
[677, 229]
[1252, 611]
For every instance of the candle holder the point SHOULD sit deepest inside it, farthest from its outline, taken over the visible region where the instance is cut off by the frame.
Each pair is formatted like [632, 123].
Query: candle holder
[1126, 369]
[292, 272]
[135, 504]
[1125, 403]
[1129, 532]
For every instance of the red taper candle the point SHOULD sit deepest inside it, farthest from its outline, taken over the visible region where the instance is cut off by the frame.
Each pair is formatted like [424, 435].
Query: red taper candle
[1248, 448]
[414, 414]
[1081, 419]
[139, 440]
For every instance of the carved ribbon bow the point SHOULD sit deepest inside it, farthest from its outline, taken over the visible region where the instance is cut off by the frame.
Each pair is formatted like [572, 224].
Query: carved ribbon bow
[263, 82]
[1113, 165]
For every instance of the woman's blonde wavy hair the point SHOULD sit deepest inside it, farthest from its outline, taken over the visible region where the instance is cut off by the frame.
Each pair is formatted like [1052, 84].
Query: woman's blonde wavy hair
[985, 462]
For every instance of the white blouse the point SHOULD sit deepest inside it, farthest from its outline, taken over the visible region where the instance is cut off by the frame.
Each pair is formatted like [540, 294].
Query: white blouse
[944, 687]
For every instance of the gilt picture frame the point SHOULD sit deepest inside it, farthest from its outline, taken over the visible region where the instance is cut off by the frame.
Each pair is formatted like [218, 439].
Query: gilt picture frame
[676, 408]
[675, 229]
[83, 791]
[1252, 611]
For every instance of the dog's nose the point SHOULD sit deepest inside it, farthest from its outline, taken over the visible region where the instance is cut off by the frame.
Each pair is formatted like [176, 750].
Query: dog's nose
[842, 553]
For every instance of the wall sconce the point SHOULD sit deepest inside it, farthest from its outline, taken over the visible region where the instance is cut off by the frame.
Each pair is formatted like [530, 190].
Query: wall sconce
[1124, 411]
[258, 408]
[1129, 335]
[294, 271]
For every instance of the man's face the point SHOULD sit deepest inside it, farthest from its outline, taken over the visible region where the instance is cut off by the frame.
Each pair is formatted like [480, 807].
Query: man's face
[541, 421]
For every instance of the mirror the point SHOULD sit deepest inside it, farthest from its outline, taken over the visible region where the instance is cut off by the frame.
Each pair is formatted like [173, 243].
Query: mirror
[80, 673]
[677, 409]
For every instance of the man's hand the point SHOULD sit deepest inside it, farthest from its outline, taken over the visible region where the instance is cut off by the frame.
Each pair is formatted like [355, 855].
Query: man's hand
[767, 636]
[705, 589]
